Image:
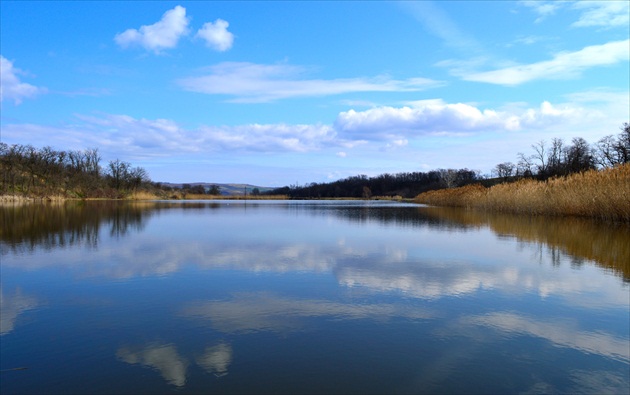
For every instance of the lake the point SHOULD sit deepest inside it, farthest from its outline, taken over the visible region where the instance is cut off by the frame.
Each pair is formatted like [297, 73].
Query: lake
[309, 297]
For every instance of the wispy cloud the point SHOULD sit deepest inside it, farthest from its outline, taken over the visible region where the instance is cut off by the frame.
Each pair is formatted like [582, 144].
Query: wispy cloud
[564, 65]
[163, 137]
[607, 14]
[437, 22]
[542, 8]
[11, 87]
[161, 35]
[611, 13]
[271, 137]
[251, 83]
[216, 35]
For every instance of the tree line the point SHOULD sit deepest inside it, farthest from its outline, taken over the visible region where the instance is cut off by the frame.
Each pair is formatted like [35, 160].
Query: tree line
[547, 160]
[30, 171]
[559, 158]
[407, 184]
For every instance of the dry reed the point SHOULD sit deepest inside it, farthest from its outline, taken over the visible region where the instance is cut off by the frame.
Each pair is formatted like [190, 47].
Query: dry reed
[601, 194]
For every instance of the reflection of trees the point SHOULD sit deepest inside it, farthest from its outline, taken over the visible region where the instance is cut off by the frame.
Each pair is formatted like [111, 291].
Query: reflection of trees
[605, 244]
[386, 213]
[59, 225]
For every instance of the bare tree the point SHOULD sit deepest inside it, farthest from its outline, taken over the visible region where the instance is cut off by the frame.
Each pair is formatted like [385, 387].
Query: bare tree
[504, 170]
[540, 154]
[579, 156]
[448, 177]
[554, 156]
[525, 166]
[118, 173]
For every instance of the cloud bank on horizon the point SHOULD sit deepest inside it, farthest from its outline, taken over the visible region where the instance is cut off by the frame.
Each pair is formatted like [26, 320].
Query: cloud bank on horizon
[270, 93]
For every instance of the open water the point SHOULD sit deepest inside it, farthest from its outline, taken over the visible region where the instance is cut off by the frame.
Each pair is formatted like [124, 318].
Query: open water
[309, 297]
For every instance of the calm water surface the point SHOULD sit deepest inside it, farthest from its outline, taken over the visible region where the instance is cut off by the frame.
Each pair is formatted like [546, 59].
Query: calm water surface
[309, 297]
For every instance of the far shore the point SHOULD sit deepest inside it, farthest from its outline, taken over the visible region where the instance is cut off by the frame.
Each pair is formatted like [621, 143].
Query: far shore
[602, 195]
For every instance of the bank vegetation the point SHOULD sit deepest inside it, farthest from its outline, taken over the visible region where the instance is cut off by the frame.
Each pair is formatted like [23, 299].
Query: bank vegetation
[602, 194]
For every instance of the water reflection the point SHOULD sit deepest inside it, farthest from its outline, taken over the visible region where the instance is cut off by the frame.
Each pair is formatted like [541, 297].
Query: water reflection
[172, 366]
[162, 357]
[414, 299]
[582, 239]
[255, 312]
[421, 263]
[561, 333]
[54, 225]
[216, 359]
[11, 306]
[49, 226]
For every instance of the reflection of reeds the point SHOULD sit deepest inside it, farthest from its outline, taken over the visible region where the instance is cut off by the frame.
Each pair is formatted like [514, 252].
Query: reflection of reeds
[583, 239]
[597, 194]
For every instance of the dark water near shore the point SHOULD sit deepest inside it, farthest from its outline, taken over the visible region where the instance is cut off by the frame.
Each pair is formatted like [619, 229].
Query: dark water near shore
[309, 297]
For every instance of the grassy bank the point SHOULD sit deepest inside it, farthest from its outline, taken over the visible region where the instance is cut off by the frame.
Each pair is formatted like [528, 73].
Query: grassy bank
[601, 194]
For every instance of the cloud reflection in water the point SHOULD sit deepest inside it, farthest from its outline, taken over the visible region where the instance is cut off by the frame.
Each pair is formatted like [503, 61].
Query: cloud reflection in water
[254, 312]
[560, 333]
[162, 357]
[216, 359]
[11, 306]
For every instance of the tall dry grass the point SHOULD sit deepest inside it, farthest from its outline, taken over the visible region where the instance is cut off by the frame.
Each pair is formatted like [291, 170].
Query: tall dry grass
[601, 194]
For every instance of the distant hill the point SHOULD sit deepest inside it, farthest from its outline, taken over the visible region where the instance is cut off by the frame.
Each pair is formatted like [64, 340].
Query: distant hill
[226, 189]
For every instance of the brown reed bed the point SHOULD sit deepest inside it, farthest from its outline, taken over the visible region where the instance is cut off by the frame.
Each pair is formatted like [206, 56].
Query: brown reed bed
[603, 194]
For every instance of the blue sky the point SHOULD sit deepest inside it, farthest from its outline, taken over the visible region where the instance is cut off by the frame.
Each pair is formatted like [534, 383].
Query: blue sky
[278, 93]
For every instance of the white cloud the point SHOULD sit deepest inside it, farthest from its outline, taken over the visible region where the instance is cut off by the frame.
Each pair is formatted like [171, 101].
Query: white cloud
[163, 34]
[249, 82]
[216, 35]
[609, 13]
[436, 117]
[542, 8]
[423, 117]
[396, 127]
[563, 65]
[142, 138]
[437, 22]
[11, 87]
